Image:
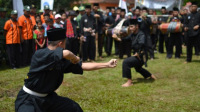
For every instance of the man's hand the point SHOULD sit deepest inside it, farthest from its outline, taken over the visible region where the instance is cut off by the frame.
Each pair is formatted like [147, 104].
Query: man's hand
[114, 36]
[82, 39]
[112, 63]
[76, 60]
[186, 28]
[196, 27]
[137, 55]
[96, 16]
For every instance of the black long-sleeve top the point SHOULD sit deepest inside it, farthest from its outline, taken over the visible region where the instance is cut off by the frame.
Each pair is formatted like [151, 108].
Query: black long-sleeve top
[87, 21]
[192, 20]
[100, 21]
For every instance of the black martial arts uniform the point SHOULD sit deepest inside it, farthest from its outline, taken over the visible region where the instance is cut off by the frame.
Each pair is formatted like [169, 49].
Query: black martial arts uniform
[138, 45]
[124, 47]
[100, 24]
[175, 39]
[144, 26]
[72, 43]
[45, 76]
[162, 37]
[89, 47]
[111, 21]
[193, 36]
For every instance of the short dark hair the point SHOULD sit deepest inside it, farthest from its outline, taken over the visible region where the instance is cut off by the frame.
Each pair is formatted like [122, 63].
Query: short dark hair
[47, 15]
[54, 43]
[50, 20]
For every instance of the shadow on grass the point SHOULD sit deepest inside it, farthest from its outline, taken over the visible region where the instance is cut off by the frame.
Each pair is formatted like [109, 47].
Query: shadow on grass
[142, 80]
[196, 61]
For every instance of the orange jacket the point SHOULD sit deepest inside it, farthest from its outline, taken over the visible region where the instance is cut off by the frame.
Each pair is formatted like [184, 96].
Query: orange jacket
[12, 35]
[27, 27]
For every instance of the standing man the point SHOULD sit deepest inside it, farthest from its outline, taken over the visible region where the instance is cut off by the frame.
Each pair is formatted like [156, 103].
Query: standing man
[110, 22]
[11, 32]
[46, 11]
[100, 22]
[3, 19]
[137, 38]
[81, 13]
[26, 35]
[162, 37]
[33, 14]
[87, 29]
[71, 33]
[175, 38]
[193, 30]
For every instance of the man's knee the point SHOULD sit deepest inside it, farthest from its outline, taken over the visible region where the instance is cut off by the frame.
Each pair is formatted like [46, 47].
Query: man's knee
[26, 108]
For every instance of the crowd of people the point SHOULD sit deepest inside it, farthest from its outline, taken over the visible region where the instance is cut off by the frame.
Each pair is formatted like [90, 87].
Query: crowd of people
[21, 36]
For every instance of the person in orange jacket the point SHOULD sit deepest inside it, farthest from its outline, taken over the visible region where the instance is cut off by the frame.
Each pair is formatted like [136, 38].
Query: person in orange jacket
[26, 34]
[11, 32]
[47, 11]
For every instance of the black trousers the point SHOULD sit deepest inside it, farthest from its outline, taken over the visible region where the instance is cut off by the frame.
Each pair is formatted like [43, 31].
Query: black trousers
[192, 42]
[109, 46]
[72, 45]
[163, 38]
[100, 44]
[124, 48]
[14, 55]
[51, 103]
[154, 39]
[27, 52]
[174, 39]
[137, 64]
[89, 48]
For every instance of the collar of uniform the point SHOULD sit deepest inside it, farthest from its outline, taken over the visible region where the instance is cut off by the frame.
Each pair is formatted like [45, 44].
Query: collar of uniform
[13, 20]
[134, 34]
[194, 12]
[26, 16]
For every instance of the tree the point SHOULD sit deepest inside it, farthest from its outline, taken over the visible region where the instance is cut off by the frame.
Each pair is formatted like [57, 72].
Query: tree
[185, 1]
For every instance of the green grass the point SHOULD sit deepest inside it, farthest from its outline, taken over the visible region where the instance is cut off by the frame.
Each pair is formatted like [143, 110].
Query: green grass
[177, 88]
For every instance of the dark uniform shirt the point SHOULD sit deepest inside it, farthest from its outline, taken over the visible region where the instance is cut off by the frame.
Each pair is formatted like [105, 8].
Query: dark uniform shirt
[87, 22]
[47, 70]
[100, 22]
[137, 41]
[192, 20]
[111, 21]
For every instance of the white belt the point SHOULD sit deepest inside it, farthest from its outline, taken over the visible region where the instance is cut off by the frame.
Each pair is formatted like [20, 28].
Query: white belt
[33, 93]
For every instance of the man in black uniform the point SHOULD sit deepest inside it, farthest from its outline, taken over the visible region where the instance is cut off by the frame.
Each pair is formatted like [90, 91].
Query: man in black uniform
[137, 39]
[162, 37]
[46, 75]
[87, 28]
[124, 47]
[110, 22]
[72, 40]
[192, 28]
[144, 26]
[175, 38]
[100, 23]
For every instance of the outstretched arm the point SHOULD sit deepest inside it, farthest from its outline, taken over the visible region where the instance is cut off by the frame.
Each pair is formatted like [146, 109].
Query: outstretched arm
[95, 66]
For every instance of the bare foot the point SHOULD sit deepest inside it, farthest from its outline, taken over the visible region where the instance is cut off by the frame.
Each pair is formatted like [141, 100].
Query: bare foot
[185, 62]
[153, 77]
[152, 59]
[101, 58]
[127, 84]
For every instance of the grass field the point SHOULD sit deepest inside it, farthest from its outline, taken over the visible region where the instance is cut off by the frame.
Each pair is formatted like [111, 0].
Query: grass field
[177, 88]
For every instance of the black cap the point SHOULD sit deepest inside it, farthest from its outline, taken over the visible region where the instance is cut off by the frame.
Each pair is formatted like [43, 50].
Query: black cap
[72, 13]
[175, 9]
[144, 8]
[88, 6]
[56, 34]
[194, 3]
[119, 8]
[133, 22]
[108, 7]
[138, 7]
[123, 10]
[96, 4]
[163, 7]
